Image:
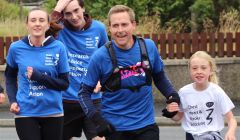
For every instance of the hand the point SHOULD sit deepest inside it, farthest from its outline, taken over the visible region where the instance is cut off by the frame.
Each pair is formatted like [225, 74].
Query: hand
[61, 4]
[229, 137]
[2, 98]
[97, 88]
[172, 106]
[174, 97]
[104, 128]
[98, 138]
[171, 110]
[29, 72]
[14, 108]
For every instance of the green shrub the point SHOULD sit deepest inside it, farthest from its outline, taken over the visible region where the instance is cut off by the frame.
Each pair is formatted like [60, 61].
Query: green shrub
[10, 11]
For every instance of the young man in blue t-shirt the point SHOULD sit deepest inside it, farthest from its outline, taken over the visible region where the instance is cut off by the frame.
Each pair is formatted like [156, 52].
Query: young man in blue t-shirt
[127, 100]
[82, 37]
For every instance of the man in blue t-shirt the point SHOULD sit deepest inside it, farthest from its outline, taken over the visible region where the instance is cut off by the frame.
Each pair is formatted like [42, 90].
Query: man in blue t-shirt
[125, 70]
[82, 36]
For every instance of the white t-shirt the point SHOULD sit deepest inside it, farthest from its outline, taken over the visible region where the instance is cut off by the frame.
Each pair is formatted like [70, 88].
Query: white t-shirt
[204, 110]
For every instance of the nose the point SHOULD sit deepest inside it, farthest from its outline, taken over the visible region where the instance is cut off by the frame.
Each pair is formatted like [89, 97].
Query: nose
[199, 70]
[120, 28]
[74, 16]
[37, 22]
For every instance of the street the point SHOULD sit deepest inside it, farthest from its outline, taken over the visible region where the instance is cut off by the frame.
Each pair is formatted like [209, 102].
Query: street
[166, 133]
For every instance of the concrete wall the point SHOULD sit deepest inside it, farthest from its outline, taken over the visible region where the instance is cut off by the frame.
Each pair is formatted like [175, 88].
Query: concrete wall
[228, 73]
[177, 71]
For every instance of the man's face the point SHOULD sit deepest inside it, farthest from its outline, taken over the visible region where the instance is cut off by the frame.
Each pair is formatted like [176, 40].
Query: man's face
[122, 28]
[73, 13]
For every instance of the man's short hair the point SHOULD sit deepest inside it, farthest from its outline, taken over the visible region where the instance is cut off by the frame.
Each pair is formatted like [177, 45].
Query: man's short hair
[121, 8]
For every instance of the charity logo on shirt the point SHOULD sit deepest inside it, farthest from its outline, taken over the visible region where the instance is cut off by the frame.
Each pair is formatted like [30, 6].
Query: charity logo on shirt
[92, 42]
[35, 89]
[51, 59]
[76, 63]
[200, 116]
[135, 70]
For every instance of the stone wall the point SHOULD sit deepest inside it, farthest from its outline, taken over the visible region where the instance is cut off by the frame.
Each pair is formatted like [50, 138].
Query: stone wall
[177, 71]
[228, 74]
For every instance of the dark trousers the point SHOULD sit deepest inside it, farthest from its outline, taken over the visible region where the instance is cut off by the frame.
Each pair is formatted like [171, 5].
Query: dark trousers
[189, 136]
[75, 121]
[150, 132]
[39, 128]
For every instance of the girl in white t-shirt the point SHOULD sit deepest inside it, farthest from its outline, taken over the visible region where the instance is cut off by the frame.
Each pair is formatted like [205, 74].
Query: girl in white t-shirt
[204, 104]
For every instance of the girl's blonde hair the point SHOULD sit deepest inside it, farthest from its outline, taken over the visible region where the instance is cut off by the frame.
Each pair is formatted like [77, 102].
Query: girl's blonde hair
[204, 55]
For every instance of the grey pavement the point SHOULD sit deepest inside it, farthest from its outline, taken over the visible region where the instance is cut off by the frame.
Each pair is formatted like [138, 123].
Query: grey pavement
[169, 130]
[166, 133]
[6, 118]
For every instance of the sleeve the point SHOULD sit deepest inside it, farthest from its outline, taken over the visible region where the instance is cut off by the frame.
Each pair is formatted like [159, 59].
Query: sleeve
[86, 101]
[55, 24]
[60, 83]
[226, 104]
[163, 84]
[11, 73]
[11, 83]
[89, 82]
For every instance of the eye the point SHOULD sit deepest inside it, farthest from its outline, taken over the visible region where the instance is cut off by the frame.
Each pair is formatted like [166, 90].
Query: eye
[115, 25]
[33, 19]
[67, 14]
[76, 10]
[124, 25]
[204, 67]
[42, 20]
[194, 68]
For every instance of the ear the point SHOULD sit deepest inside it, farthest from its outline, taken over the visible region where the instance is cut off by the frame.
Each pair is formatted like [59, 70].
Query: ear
[134, 25]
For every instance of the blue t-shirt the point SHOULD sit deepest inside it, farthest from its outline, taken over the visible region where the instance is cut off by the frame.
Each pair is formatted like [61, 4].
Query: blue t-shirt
[125, 109]
[35, 99]
[80, 46]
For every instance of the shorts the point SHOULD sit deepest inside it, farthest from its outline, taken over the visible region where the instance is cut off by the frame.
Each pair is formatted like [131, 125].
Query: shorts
[150, 132]
[75, 121]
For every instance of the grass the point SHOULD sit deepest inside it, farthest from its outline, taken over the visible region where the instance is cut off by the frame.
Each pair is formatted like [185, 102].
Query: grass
[228, 22]
[13, 28]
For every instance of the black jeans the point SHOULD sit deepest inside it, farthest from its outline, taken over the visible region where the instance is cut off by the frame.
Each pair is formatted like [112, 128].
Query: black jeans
[150, 132]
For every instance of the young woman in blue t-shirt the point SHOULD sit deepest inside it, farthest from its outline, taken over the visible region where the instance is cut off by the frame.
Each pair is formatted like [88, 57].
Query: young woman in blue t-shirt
[36, 74]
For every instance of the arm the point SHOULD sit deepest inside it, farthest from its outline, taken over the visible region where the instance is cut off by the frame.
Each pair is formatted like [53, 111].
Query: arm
[11, 83]
[85, 100]
[164, 85]
[59, 83]
[2, 97]
[56, 18]
[232, 126]
[103, 127]
[11, 87]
